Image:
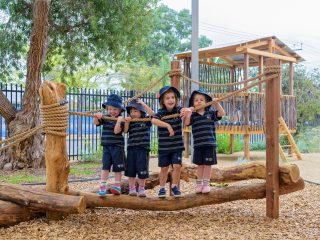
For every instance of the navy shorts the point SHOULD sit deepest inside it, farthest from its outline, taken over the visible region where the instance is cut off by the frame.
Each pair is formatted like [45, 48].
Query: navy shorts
[170, 157]
[113, 156]
[137, 162]
[205, 155]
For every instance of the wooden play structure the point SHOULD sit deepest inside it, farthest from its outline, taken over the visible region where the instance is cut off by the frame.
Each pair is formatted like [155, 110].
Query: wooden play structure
[246, 110]
[19, 203]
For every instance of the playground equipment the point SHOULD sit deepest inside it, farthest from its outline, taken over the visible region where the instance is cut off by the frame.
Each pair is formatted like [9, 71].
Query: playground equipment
[246, 110]
[22, 203]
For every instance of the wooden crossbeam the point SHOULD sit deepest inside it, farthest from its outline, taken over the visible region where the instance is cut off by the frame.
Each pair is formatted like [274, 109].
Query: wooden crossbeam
[270, 55]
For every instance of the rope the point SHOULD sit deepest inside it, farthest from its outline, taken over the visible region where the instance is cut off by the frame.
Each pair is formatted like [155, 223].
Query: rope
[54, 121]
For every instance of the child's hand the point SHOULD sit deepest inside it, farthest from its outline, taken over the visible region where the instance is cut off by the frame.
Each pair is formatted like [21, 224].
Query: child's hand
[192, 109]
[140, 101]
[127, 119]
[215, 101]
[98, 115]
[170, 129]
[119, 119]
[185, 112]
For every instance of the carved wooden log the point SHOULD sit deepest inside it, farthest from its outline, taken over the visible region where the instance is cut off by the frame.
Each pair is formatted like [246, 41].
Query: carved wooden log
[11, 213]
[41, 200]
[254, 170]
[216, 196]
[56, 157]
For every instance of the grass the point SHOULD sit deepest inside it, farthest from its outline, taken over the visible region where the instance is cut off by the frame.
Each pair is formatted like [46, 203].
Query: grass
[18, 178]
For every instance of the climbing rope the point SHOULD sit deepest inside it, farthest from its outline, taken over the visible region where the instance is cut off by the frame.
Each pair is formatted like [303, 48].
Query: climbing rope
[55, 116]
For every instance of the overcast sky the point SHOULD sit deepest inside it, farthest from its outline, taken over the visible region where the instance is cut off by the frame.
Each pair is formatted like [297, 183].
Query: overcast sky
[230, 22]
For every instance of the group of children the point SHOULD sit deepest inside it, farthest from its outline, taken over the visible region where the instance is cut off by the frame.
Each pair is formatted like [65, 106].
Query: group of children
[170, 140]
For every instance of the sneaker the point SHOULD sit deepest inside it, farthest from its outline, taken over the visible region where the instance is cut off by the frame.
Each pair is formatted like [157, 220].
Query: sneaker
[206, 189]
[199, 188]
[176, 192]
[132, 192]
[142, 193]
[102, 190]
[115, 190]
[162, 193]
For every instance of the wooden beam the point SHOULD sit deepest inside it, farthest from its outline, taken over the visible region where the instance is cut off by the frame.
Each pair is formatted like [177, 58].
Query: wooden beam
[260, 71]
[291, 83]
[175, 80]
[272, 141]
[215, 64]
[251, 45]
[270, 55]
[284, 52]
[228, 60]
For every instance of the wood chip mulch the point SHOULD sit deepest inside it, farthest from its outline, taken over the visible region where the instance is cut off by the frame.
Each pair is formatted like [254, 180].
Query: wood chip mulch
[299, 219]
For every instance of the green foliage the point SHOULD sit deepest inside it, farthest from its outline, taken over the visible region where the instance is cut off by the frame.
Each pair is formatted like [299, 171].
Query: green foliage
[83, 33]
[94, 155]
[223, 142]
[308, 140]
[258, 146]
[171, 34]
[307, 92]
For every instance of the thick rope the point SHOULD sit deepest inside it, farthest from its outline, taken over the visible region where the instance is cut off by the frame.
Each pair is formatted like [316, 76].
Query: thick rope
[54, 121]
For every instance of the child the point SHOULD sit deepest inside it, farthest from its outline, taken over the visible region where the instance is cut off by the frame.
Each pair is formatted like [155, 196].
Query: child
[204, 136]
[138, 146]
[113, 144]
[170, 143]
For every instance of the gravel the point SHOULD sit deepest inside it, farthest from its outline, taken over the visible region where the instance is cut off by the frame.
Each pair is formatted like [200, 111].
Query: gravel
[299, 219]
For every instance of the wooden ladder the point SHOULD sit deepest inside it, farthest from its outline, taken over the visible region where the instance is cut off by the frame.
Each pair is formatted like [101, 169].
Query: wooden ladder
[284, 131]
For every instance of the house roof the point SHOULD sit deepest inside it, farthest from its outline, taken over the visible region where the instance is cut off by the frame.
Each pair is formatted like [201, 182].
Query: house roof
[268, 47]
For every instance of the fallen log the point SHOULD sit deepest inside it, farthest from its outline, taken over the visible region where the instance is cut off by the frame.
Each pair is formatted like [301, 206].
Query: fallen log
[216, 196]
[11, 213]
[255, 170]
[41, 200]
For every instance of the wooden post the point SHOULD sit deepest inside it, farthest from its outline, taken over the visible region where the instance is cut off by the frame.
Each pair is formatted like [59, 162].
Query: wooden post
[291, 83]
[57, 164]
[260, 71]
[232, 73]
[272, 140]
[246, 110]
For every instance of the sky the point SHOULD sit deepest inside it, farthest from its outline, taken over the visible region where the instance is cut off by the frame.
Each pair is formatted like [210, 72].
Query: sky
[296, 23]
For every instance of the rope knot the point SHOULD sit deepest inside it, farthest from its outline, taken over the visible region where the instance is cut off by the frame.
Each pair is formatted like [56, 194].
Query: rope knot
[55, 118]
[174, 72]
[271, 69]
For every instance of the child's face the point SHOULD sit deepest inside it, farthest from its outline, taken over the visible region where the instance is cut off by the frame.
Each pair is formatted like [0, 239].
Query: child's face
[199, 100]
[135, 113]
[169, 100]
[114, 112]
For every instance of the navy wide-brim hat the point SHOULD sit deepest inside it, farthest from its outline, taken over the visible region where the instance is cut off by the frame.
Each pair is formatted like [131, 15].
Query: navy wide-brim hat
[165, 89]
[114, 100]
[134, 104]
[207, 96]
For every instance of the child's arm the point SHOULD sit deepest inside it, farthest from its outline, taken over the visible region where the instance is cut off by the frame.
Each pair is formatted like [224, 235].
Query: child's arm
[218, 107]
[117, 127]
[97, 118]
[185, 115]
[160, 123]
[126, 124]
[149, 110]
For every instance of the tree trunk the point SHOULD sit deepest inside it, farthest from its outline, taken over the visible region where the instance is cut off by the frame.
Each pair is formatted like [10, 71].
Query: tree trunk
[216, 196]
[29, 153]
[41, 200]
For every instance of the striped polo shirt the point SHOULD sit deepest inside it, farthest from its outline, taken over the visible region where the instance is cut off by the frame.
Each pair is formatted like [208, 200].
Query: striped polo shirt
[165, 142]
[139, 134]
[203, 129]
[108, 138]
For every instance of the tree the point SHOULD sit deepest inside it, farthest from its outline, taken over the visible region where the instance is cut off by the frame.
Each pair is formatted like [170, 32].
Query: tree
[82, 32]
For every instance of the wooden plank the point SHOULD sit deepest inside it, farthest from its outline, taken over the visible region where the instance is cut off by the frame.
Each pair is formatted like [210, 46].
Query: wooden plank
[272, 142]
[175, 80]
[270, 55]
[228, 60]
[260, 71]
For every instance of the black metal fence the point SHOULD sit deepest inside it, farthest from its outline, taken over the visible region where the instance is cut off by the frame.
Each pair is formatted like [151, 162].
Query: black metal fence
[83, 141]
